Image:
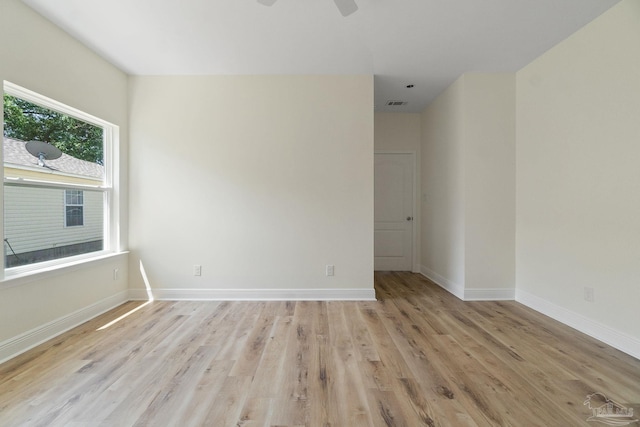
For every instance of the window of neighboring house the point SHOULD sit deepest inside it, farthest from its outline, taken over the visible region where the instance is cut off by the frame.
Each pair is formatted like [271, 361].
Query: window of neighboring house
[59, 203]
[73, 208]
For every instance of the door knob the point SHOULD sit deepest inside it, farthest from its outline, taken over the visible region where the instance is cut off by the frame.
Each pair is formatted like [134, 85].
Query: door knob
[409, 218]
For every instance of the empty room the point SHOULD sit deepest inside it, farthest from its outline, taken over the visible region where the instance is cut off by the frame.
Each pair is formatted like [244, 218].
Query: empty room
[320, 213]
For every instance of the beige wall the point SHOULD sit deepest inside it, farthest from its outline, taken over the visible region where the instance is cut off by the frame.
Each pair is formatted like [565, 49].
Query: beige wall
[578, 176]
[468, 190]
[262, 180]
[397, 132]
[38, 56]
[442, 186]
[489, 174]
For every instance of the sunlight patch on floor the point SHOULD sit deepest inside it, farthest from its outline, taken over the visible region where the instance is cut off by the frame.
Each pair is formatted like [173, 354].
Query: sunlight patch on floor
[143, 273]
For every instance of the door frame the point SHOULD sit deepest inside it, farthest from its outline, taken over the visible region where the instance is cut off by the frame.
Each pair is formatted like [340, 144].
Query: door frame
[415, 224]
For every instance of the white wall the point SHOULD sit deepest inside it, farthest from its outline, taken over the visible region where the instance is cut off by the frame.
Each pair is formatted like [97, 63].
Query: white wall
[578, 178]
[442, 202]
[468, 191]
[489, 159]
[262, 180]
[39, 56]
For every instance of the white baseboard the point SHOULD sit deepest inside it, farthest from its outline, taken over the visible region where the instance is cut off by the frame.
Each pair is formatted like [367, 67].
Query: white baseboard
[444, 283]
[27, 340]
[490, 294]
[256, 294]
[606, 334]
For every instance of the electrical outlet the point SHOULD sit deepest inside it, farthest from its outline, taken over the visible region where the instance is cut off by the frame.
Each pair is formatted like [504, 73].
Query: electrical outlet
[330, 270]
[588, 294]
[197, 270]
[116, 274]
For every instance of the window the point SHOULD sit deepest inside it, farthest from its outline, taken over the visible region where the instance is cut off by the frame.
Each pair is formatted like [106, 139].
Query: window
[73, 208]
[59, 203]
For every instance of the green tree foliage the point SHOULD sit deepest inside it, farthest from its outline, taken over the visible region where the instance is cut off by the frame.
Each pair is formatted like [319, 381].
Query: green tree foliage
[30, 122]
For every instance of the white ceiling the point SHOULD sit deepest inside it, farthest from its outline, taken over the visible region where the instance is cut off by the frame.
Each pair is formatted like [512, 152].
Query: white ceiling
[428, 43]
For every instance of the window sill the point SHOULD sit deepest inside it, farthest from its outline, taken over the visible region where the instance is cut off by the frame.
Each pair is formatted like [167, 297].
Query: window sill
[24, 277]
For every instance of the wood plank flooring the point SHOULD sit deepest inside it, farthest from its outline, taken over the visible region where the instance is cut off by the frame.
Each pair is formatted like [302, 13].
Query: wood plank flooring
[416, 357]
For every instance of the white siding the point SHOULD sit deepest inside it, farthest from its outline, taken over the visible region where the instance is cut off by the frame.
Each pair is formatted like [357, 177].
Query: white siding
[34, 219]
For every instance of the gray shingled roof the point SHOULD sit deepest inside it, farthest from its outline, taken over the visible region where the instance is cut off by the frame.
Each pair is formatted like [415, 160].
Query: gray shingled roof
[15, 153]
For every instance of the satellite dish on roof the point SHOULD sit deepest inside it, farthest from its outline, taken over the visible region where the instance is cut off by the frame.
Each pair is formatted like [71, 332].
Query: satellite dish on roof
[43, 151]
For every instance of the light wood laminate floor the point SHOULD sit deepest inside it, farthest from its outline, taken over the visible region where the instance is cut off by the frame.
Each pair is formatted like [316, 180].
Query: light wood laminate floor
[418, 356]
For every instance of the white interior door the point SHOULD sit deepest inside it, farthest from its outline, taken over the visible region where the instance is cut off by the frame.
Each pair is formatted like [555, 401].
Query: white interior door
[393, 211]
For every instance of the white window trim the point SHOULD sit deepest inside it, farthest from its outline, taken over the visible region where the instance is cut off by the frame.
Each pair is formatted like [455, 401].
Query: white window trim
[66, 205]
[109, 186]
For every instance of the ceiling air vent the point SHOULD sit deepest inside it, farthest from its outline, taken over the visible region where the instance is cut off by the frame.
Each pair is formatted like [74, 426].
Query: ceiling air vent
[396, 103]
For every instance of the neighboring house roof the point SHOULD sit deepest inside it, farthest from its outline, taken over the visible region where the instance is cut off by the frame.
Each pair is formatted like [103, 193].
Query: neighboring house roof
[15, 154]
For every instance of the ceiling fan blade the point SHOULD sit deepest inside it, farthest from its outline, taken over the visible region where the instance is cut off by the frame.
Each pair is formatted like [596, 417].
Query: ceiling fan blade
[267, 2]
[346, 7]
